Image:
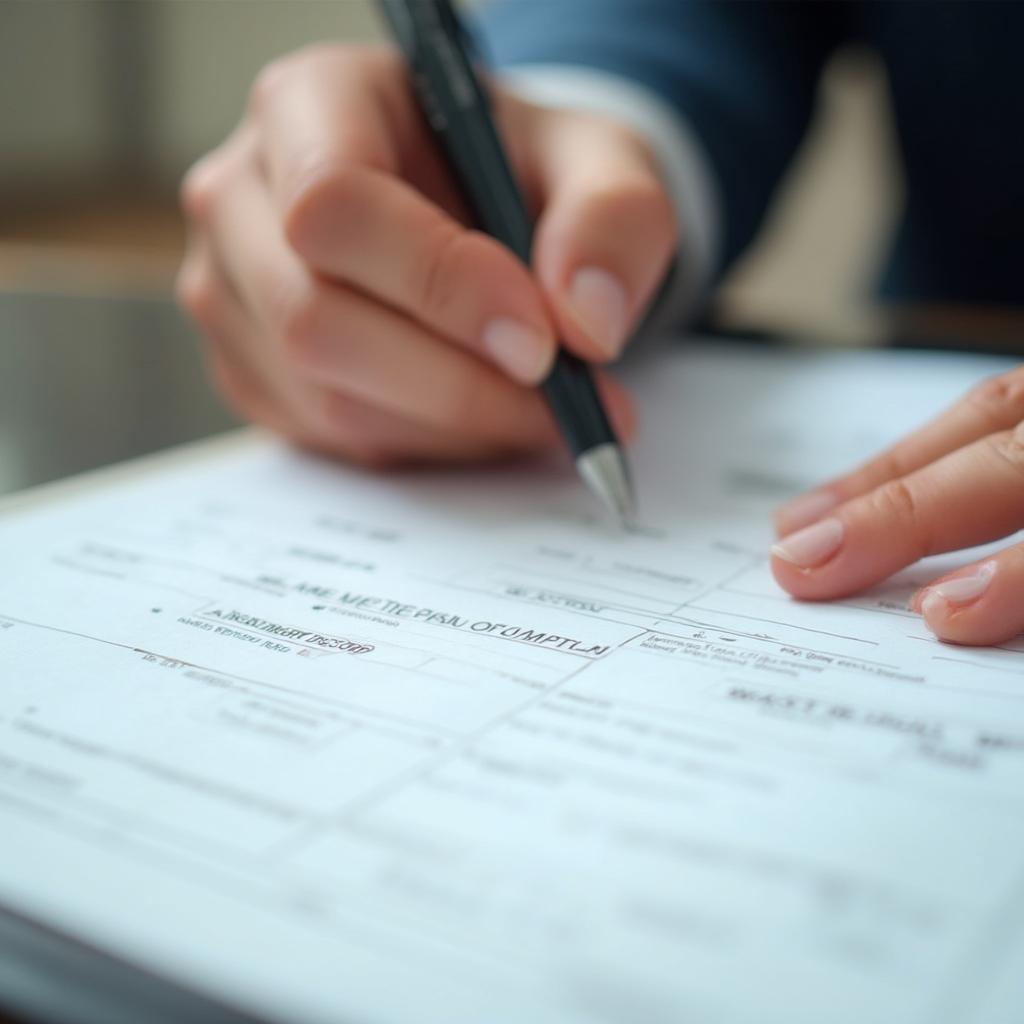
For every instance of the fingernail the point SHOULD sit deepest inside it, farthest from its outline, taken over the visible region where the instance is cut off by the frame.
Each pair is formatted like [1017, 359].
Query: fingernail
[519, 350]
[933, 605]
[959, 590]
[812, 545]
[805, 509]
[599, 302]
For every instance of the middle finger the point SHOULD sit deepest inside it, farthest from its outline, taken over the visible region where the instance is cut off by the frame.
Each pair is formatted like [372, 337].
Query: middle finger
[995, 404]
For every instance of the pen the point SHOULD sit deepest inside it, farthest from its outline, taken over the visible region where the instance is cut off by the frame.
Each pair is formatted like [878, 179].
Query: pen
[456, 108]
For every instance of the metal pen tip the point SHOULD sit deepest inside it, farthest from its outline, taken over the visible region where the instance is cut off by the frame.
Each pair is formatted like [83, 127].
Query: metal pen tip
[606, 473]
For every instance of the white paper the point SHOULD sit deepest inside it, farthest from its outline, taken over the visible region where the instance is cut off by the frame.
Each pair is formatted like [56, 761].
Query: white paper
[447, 747]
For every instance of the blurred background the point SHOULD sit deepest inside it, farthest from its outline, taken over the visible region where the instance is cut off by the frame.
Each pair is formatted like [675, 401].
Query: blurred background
[107, 102]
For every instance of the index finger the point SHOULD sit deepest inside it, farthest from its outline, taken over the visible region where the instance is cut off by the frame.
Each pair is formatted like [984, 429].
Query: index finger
[337, 142]
[972, 496]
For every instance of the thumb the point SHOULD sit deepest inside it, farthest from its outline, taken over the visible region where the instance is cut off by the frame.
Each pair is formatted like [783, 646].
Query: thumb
[607, 230]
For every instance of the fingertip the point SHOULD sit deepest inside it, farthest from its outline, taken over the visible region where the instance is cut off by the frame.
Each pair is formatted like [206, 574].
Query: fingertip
[791, 579]
[951, 625]
[604, 242]
[811, 547]
[598, 306]
[523, 352]
[965, 607]
[933, 609]
[810, 563]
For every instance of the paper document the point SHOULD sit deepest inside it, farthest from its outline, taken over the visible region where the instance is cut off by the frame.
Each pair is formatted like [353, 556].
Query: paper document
[448, 747]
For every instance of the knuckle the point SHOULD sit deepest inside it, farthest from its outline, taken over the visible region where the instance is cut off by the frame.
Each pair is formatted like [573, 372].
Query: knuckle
[197, 294]
[199, 189]
[297, 312]
[1009, 447]
[212, 176]
[444, 270]
[889, 465]
[1000, 399]
[899, 508]
[897, 500]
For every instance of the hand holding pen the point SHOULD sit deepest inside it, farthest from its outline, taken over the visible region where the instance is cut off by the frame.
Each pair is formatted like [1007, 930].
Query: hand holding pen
[456, 109]
[346, 303]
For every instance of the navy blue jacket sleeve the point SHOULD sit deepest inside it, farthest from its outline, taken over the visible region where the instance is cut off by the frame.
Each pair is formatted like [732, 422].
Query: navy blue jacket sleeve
[742, 74]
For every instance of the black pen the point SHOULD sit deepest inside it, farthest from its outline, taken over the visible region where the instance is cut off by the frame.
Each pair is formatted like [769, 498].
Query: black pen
[457, 110]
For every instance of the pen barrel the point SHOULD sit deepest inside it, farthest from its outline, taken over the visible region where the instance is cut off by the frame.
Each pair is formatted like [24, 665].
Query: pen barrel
[457, 110]
[574, 402]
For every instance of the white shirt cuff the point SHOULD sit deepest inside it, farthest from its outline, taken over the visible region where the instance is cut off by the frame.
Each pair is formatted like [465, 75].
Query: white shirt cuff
[684, 164]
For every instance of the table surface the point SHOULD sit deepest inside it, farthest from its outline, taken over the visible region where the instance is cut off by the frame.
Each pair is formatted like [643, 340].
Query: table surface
[89, 380]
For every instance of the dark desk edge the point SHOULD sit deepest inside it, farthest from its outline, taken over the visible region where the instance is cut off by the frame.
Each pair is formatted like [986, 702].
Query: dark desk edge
[48, 977]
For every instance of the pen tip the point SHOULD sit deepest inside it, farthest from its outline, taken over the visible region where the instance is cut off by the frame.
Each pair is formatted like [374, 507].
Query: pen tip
[606, 473]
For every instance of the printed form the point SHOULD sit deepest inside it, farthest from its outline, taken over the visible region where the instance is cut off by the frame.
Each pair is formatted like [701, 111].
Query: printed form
[448, 747]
